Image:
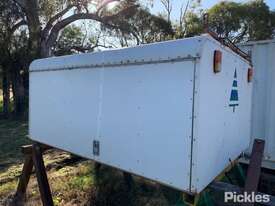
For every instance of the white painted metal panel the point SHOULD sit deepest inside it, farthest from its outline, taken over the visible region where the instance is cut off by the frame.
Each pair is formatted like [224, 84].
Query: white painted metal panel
[63, 109]
[263, 110]
[221, 130]
[146, 121]
[135, 112]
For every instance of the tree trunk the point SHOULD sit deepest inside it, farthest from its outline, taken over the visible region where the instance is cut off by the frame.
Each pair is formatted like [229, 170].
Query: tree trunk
[34, 26]
[25, 78]
[6, 94]
[18, 93]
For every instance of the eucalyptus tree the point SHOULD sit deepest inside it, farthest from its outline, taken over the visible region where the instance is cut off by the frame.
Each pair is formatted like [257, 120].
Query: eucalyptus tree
[76, 39]
[45, 19]
[40, 23]
[11, 42]
[140, 28]
[242, 21]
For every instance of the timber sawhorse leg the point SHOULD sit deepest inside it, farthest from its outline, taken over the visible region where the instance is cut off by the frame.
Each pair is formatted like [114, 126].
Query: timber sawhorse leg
[33, 157]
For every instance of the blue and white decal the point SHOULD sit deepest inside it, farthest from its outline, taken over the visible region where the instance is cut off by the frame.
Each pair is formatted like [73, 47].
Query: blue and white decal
[234, 97]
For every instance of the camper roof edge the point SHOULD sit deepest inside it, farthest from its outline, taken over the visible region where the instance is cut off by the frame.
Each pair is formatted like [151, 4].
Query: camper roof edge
[160, 52]
[174, 50]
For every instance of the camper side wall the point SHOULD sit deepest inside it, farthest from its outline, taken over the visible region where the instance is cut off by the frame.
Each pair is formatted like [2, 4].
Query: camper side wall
[222, 115]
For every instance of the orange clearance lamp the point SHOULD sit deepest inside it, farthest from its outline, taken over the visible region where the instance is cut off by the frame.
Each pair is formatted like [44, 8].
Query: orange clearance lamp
[250, 74]
[217, 61]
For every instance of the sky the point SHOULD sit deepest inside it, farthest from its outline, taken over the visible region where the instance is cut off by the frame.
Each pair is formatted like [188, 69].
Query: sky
[205, 4]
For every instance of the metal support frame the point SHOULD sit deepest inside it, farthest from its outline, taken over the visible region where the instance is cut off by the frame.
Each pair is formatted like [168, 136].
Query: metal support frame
[223, 40]
[43, 184]
[254, 168]
[239, 177]
[24, 178]
[34, 157]
[248, 183]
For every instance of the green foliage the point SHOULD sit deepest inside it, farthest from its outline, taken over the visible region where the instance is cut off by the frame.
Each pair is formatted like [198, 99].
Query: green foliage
[150, 28]
[259, 20]
[141, 27]
[74, 40]
[237, 21]
[71, 37]
[242, 21]
[9, 17]
[226, 18]
[193, 25]
[48, 8]
[81, 182]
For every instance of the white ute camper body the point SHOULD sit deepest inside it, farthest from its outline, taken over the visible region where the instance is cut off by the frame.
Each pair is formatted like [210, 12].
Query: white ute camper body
[157, 111]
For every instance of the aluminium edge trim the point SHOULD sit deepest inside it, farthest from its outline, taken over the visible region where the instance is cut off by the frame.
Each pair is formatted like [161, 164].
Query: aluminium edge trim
[120, 64]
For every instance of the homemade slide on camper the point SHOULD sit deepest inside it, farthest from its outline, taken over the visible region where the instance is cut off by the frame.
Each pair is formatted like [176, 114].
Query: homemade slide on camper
[175, 112]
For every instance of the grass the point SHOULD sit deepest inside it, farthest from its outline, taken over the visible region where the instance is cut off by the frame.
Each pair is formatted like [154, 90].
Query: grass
[11, 105]
[73, 181]
[13, 135]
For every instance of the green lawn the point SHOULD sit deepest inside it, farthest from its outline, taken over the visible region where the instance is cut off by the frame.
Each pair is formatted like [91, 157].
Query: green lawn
[73, 181]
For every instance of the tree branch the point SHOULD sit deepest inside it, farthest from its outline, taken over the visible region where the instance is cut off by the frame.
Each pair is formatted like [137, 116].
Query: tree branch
[21, 3]
[92, 16]
[50, 23]
[84, 49]
[63, 23]
[183, 16]
[104, 4]
[240, 36]
[17, 25]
